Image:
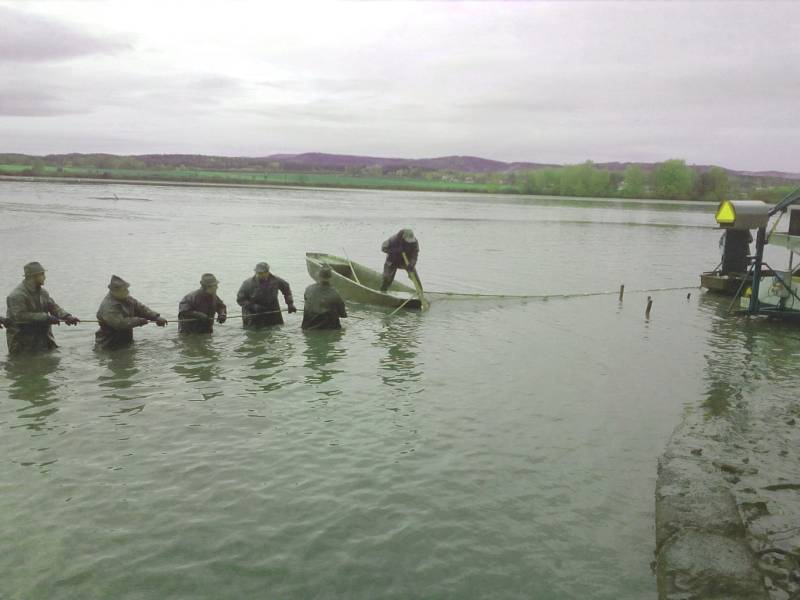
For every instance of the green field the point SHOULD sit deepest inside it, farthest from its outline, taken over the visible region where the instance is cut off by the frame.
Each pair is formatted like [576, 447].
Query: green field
[255, 178]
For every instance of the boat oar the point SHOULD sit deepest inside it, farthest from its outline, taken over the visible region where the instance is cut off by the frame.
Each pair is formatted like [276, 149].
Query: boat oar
[352, 268]
[401, 306]
[412, 275]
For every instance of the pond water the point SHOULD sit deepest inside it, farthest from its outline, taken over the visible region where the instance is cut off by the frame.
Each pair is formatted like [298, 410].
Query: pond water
[487, 448]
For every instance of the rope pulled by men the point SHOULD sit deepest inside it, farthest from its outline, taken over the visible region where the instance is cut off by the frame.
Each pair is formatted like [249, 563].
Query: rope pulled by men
[32, 312]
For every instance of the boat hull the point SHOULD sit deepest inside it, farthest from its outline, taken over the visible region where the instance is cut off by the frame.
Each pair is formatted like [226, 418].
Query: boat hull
[727, 285]
[358, 283]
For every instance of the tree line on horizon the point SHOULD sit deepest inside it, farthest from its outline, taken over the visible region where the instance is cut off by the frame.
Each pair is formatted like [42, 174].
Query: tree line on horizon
[672, 179]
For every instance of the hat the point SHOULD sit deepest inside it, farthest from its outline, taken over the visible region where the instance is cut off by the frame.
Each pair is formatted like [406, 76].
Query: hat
[33, 268]
[408, 236]
[208, 279]
[325, 273]
[118, 283]
[262, 267]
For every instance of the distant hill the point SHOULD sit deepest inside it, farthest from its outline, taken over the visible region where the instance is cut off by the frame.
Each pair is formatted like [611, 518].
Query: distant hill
[619, 167]
[464, 164]
[319, 161]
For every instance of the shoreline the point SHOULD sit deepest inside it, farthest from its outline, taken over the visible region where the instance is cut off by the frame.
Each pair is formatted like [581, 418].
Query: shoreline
[701, 540]
[202, 184]
[727, 509]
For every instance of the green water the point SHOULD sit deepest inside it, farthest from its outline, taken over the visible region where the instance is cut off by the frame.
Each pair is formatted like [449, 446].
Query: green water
[484, 449]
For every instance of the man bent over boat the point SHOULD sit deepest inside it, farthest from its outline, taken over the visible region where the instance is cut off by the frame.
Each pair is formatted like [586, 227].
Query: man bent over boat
[32, 314]
[119, 313]
[197, 309]
[323, 304]
[258, 298]
[402, 251]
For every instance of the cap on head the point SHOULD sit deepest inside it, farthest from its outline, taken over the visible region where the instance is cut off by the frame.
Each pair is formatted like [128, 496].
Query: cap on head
[325, 273]
[262, 267]
[117, 283]
[33, 268]
[208, 279]
[408, 236]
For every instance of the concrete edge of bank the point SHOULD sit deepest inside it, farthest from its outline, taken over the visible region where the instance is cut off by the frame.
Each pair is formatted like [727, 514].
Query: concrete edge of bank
[702, 551]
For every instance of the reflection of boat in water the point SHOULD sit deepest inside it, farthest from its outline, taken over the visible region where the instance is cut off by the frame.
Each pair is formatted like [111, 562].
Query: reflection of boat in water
[762, 290]
[358, 283]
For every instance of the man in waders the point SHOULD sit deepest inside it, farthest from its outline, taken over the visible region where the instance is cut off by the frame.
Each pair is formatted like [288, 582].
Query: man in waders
[258, 298]
[402, 251]
[119, 313]
[323, 304]
[32, 314]
[197, 309]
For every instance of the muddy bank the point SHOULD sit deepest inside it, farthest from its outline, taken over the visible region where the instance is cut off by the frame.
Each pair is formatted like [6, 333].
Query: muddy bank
[728, 504]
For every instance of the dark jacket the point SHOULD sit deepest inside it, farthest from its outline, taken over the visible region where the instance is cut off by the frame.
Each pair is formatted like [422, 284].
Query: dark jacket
[256, 296]
[201, 306]
[117, 319]
[394, 248]
[29, 310]
[323, 307]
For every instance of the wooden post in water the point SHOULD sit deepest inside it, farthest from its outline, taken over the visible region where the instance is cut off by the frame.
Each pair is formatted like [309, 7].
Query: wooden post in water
[621, 291]
[649, 306]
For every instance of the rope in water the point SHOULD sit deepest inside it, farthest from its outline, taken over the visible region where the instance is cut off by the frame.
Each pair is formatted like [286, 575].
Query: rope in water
[566, 295]
[271, 312]
[458, 294]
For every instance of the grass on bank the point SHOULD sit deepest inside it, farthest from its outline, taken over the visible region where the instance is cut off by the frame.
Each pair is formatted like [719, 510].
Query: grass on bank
[256, 178]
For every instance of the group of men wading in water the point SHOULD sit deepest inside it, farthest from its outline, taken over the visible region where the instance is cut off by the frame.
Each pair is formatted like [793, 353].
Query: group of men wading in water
[32, 312]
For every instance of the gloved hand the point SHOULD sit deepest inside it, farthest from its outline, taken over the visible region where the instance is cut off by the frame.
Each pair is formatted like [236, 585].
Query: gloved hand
[161, 322]
[291, 308]
[139, 321]
[54, 320]
[222, 318]
[70, 320]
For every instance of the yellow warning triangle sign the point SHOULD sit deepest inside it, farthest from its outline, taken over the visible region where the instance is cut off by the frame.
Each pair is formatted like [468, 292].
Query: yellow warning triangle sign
[726, 214]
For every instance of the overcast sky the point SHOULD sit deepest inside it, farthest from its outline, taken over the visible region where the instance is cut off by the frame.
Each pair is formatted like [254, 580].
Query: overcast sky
[562, 82]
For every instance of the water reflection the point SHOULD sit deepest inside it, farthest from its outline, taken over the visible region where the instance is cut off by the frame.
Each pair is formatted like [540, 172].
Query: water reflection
[122, 371]
[741, 352]
[31, 380]
[400, 337]
[200, 363]
[267, 352]
[200, 358]
[322, 351]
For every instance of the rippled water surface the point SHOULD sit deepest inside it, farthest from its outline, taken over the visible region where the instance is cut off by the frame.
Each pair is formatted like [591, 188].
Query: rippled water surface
[485, 449]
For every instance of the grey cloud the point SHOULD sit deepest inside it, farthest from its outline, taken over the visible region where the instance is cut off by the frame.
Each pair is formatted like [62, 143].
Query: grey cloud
[551, 82]
[41, 90]
[215, 83]
[27, 37]
[328, 84]
[33, 103]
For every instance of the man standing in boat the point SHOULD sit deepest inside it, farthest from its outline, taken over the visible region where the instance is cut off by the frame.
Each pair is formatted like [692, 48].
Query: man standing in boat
[323, 304]
[258, 298]
[402, 251]
[32, 313]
